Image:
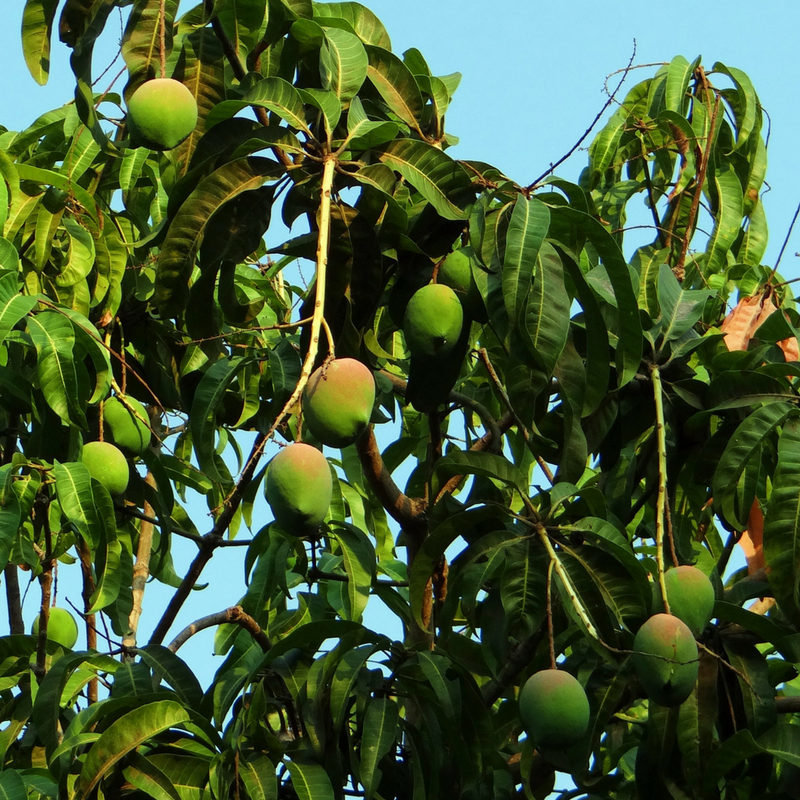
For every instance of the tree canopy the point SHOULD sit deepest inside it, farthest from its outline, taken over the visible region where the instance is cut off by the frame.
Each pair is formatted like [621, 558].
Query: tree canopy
[583, 419]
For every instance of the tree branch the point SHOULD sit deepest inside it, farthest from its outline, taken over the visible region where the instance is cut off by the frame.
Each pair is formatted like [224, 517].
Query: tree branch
[141, 569]
[209, 543]
[235, 615]
[240, 72]
[409, 512]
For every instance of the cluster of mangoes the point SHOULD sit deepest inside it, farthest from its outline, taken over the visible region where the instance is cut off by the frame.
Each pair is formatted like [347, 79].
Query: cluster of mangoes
[553, 706]
[337, 407]
[126, 435]
[435, 313]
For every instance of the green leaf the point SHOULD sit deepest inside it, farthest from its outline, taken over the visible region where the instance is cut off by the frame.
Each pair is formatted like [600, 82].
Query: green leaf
[343, 63]
[629, 347]
[744, 444]
[747, 110]
[545, 324]
[274, 94]
[359, 564]
[13, 305]
[202, 419]
[363, 134]
[782, 522]
[380, 728]
[679, 73]
[396, 85]
[12, 787]
[326, 102]
[783, 742]
[731, 752]
[54, 340]
[125, 734]
[174, 671]
[442, 181]
[37, 26]
[728, 212]
[187, 229]
[257, 773]
[363, 22]
[310, 781]
[527, 228]
[680, 308]
[472, 462]
[145, 776]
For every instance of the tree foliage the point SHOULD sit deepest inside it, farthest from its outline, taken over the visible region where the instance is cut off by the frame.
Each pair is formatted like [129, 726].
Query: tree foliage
[604, 415]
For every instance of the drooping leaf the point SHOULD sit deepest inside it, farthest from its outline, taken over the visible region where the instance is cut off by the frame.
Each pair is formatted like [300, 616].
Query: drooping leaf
[526, 231]
[380, 726]
[37, 27]
[187, 229]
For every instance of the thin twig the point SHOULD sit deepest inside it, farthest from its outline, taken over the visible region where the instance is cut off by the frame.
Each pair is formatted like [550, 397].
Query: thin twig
[544, 466]
[580, 141]
[85, 557]
[785, 242]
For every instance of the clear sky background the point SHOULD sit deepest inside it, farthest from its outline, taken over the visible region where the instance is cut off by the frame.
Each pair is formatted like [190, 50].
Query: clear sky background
[533, 77]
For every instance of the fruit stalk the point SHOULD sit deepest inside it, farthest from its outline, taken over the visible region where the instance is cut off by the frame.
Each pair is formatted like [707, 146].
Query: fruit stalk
[661, 498]
[162, 24]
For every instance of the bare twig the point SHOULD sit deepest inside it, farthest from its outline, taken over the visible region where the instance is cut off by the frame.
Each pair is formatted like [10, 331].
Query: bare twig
[580, 141]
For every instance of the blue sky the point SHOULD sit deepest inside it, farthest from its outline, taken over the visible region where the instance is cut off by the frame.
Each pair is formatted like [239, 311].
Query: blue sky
[533, 76]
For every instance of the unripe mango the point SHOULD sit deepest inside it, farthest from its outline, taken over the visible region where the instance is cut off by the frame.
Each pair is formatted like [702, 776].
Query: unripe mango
[338, 400]
[433, 320]
[554, 709]
[299, 488]
[161, 113]
[691, 597]
[456, 272]
[108, 465]
[665, 659]
[61, 627]
[128, 431]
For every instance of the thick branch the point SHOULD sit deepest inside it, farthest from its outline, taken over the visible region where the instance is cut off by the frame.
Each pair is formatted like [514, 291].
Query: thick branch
[141, 569]
[235, 615]
[518, 659]
[11, 571]
[209, 543]
[409, 512]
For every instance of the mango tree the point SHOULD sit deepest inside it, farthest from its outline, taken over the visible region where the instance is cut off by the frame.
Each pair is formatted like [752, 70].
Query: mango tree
[582, 419]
